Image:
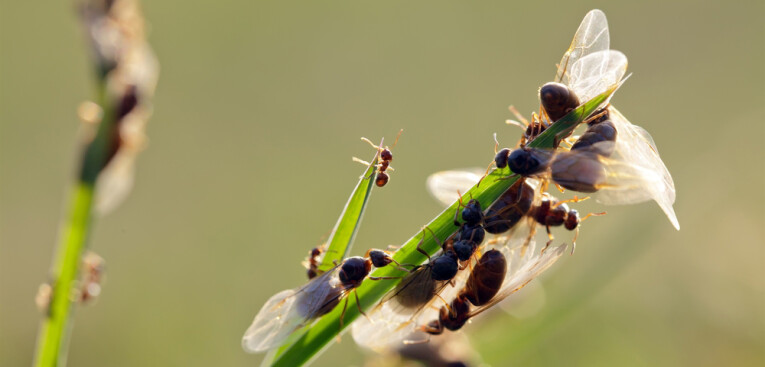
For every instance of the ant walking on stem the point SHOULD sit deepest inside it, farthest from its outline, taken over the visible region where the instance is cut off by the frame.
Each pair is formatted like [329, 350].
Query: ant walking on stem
[385, 155]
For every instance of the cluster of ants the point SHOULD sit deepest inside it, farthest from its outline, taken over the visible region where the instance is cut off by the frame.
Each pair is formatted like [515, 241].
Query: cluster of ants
[522, 202]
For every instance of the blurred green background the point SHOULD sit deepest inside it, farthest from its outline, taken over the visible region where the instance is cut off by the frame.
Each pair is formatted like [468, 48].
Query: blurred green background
[259, 108]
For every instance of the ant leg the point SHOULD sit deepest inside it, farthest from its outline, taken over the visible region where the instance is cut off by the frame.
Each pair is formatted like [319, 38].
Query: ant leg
[575, 199]
[519, 116]
[576, 233]
[419, 249]
[342, 315]
[358, 305]
[457, 212]
[597, 115]
[378, 147]
[358, 160]
[485, 173]
[526, 243]
[366, 164]
[560, 188]
[546, 246]
[592, 215]
[440, 244]
[549, 234]
[516, 123]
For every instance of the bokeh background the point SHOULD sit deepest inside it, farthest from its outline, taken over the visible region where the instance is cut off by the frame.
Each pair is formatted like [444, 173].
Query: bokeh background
[260, 107]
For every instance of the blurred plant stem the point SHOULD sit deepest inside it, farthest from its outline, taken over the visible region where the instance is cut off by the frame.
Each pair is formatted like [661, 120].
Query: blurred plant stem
[56, 327]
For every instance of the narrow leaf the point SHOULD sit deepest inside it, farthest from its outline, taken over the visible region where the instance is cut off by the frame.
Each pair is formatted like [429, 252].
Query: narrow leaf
[341, 239]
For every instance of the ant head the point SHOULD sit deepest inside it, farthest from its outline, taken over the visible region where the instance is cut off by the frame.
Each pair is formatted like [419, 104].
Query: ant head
[500, 159]
[523, 161]
[379, 258]
[572, 220]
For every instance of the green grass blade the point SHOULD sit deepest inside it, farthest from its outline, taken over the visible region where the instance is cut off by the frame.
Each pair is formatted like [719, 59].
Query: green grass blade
[343, 234]
[341, 239]
[299, 351]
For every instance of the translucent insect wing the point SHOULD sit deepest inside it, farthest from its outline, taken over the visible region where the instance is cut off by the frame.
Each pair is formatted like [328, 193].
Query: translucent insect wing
[597, 72]
[522, 268]
[445, 185]
[638, 158]
[274, 323]
[387, 329]
[287, 311]
[389, 324]
[591, 36]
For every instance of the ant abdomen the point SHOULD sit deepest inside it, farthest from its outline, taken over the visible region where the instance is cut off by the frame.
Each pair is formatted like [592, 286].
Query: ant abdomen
[558, 100]
[486, 278]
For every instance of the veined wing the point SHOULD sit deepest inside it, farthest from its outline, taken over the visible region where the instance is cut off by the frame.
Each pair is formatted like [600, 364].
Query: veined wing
[591, 36]
[636, 149]
[290, 310]
[393, 321]
[445, 185]
[595, 73]
[635, 175]
[522, 268]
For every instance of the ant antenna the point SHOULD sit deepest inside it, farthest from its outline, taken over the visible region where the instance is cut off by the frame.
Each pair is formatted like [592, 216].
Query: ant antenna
[396, 141]
[523, 121]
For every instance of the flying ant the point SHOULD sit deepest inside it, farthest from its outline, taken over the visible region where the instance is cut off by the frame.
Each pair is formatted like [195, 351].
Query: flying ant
[492, 279]
[292, 309]
[553, 213]
[483, 284]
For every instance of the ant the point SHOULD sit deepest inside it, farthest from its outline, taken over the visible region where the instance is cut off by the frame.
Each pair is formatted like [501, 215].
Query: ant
[386, 156]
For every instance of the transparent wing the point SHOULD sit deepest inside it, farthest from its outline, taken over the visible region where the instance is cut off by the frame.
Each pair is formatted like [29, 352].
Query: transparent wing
[444, 185]
[391, 322]
[522, 268]
[592, 36]
[637, 163]
[597, 72]
[274, 323]
[290, 310]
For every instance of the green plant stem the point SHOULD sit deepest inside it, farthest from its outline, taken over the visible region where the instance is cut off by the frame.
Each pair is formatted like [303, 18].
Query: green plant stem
[51, 349]
[302, 349]
[56, 327]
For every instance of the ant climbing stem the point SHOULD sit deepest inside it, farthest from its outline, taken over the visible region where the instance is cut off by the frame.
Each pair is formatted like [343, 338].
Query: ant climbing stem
[377, 154]
[385, 157]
